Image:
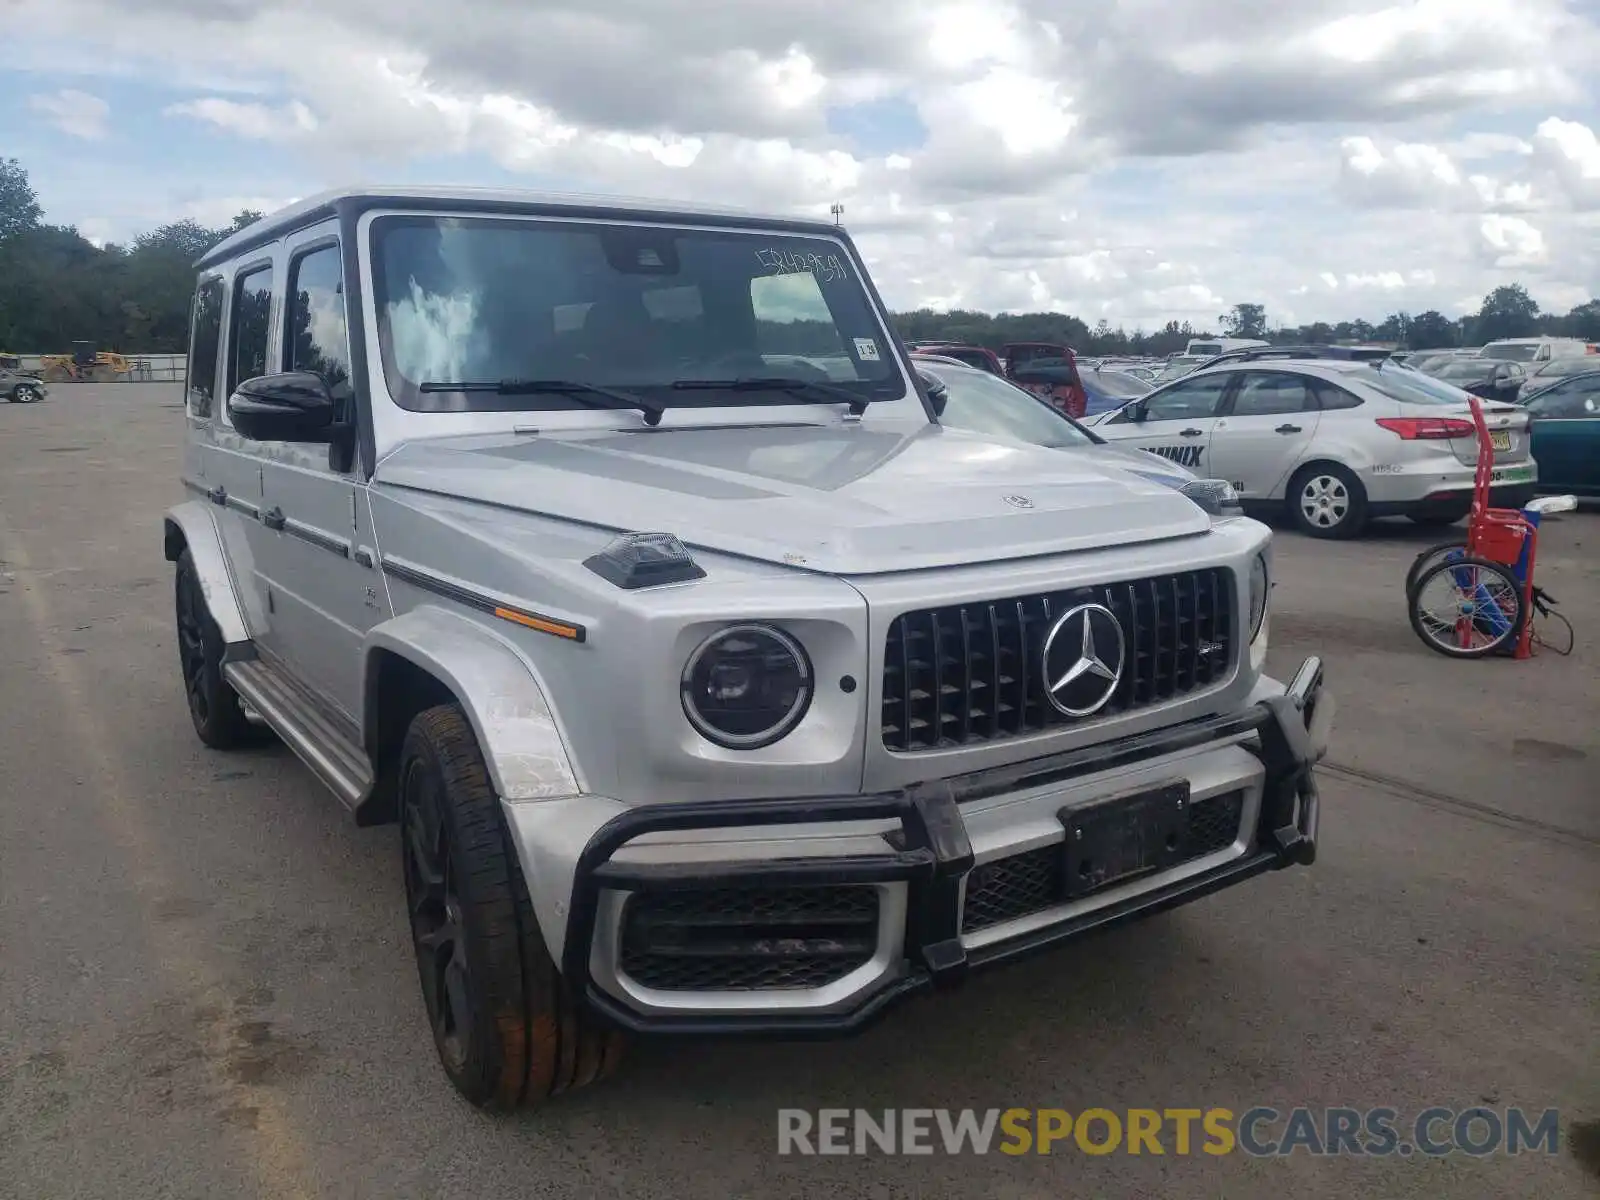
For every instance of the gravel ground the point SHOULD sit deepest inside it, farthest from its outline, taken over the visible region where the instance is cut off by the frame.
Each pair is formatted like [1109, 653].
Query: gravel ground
[208, 991]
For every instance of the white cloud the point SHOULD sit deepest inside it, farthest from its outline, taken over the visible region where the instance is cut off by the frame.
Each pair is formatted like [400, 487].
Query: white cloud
[1572, 151]
[1512, 242]
[259, 122]
[1142, 160]
[77, 114]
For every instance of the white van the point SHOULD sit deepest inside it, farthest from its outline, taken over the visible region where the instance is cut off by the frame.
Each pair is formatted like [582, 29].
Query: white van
[1537, 349]
[1211, 347]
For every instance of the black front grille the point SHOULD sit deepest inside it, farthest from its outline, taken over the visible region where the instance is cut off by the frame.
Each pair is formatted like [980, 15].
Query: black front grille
[972, 673]
[1009, 888]
[747, 938]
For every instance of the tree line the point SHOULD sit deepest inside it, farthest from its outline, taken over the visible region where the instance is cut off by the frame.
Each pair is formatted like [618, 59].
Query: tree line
[57, 287]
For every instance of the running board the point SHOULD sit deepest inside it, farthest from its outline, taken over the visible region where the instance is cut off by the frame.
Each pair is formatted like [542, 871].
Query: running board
[299, 719]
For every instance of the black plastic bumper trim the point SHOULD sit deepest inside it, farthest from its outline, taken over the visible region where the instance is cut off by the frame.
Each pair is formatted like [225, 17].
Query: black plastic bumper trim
[932, 854]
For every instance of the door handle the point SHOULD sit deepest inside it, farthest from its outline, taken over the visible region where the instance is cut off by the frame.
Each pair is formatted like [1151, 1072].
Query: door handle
[1190, 432]
[273, 518]
[218, 495]
[1287, 429]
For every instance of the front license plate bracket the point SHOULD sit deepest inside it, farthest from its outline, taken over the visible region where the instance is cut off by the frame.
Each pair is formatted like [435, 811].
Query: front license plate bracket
[1119, 839]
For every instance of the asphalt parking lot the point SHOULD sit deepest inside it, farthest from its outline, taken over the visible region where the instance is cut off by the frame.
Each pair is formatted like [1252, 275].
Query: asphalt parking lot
[206, 988]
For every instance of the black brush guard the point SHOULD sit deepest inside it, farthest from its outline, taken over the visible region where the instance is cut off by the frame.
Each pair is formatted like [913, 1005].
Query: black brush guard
[931, 854]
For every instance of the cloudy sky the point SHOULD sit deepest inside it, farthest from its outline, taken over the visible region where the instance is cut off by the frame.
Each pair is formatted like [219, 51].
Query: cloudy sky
[1137, 160]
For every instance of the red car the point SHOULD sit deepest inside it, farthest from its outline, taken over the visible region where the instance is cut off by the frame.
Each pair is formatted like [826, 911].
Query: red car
[1048, 371]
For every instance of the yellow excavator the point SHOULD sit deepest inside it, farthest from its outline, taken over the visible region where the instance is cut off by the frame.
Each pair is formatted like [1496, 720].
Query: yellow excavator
[85, 364]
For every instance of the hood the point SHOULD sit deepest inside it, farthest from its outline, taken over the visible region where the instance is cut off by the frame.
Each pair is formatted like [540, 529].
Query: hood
[841, 499]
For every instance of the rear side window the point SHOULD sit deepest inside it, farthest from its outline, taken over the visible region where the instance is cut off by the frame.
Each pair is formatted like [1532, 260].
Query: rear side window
[252, 325]
[1332, 397]
[314, 334]
[205, 339]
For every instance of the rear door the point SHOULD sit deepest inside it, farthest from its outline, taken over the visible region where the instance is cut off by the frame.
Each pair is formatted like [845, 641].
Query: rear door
[1178, 420]
[1566, 435]
[1264, 431]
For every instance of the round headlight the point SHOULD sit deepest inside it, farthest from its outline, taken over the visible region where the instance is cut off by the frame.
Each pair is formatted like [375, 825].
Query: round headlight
[1260, 586]
[746, 686]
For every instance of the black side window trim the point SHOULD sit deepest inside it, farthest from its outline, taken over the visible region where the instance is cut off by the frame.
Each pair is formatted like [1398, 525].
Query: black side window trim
[291, 277]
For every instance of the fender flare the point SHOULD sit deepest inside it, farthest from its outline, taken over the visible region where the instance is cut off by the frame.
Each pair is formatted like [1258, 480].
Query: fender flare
[192, 526]
[498, 688]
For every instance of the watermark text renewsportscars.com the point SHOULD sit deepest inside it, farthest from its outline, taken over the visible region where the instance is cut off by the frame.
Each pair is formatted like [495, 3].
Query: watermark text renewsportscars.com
[1258, 1132]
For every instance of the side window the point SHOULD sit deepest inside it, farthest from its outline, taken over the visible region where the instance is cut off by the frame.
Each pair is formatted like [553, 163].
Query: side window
[205, 339]
[1331, 397]
[1189, 400]
[793, 318]
[314, 329]
[251, 326]
[1574, 399]
[1270, 393]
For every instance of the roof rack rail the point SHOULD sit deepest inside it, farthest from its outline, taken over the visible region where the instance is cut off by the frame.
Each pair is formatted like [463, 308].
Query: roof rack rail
[1256, 353]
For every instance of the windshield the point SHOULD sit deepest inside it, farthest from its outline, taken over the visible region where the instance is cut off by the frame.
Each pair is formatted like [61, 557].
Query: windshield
[639, 308]
[1410, 387]
[985, 403]
[1510, 351]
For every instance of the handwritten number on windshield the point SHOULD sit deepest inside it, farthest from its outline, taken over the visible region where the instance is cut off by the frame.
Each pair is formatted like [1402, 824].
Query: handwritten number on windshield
[825, 267]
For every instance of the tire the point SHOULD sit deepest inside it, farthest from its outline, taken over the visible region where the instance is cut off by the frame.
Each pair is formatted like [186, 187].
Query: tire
[214, 706]
[1327, 501]
[26, 393]
[1509, 595]
[1430, 556]
[508, 1031]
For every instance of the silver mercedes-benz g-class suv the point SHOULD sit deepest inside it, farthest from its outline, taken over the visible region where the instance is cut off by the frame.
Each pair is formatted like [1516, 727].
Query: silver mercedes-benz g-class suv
[614, 552]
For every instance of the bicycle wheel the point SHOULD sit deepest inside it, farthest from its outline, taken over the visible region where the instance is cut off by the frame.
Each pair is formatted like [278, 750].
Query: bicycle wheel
[1433, 554]
[1466, 608]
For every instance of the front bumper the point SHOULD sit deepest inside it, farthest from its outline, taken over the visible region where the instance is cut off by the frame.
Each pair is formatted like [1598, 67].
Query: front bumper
[927, 854]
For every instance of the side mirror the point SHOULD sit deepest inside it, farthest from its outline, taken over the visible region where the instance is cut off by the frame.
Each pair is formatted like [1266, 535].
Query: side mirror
[1136, 411]
[292, 406]
[938, 396]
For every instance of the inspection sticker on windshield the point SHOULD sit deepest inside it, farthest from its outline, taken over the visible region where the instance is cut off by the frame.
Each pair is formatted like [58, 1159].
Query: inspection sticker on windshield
[866, 350]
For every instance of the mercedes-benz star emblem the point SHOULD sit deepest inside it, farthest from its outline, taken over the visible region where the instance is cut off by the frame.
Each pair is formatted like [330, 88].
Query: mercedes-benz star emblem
[1019, 501]
[1083, 659]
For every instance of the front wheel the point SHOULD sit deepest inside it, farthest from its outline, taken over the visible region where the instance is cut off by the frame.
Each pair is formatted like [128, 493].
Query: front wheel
[507, 1029]
[1466, 607]
[1327, 501]
[214, 706]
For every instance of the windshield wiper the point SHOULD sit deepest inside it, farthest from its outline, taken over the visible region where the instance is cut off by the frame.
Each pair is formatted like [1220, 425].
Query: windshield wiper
[590, 394]
[821, 393]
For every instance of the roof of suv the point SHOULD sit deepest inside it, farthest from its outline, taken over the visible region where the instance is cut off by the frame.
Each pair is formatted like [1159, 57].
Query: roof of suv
[323, 205]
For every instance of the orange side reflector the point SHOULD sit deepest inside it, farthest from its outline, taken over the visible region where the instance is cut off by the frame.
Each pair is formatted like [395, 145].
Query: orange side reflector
[539, 623]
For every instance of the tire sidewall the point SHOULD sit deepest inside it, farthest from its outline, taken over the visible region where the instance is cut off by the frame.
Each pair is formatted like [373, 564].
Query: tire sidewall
[224, 725]
[479, 1074]
[1355, 518]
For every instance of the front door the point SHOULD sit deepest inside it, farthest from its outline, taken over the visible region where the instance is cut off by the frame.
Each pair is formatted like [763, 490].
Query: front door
[1265, 429]
[322, 596]
[1177, 420]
